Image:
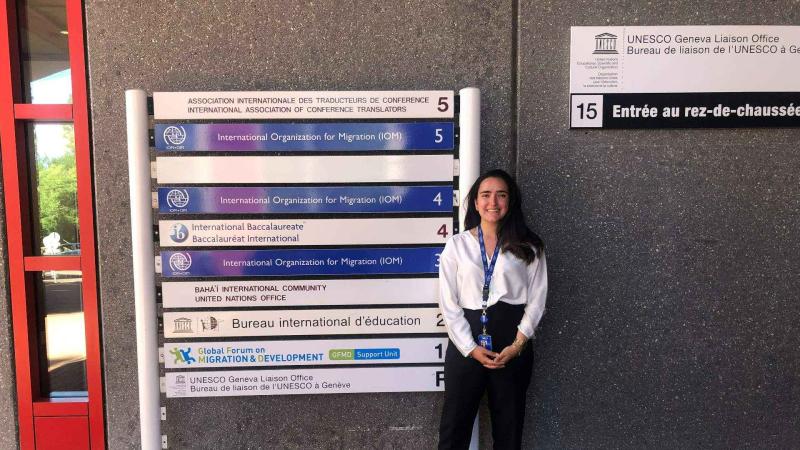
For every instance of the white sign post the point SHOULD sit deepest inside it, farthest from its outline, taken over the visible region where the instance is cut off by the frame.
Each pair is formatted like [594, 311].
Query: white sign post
[356, 234]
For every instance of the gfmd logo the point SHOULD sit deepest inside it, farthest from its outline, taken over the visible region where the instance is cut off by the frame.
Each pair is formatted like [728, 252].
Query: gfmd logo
[174, 135]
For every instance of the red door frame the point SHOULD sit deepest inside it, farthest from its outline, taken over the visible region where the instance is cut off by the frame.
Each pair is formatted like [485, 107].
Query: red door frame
[22, 265]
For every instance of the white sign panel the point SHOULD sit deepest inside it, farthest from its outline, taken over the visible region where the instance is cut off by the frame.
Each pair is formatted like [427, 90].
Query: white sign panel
[302, 322]
[303, 169]
[685, 59]
[248, 293]
[304, 381]
[234, 233]
[684, 76]
[191, 355]
[303, 105]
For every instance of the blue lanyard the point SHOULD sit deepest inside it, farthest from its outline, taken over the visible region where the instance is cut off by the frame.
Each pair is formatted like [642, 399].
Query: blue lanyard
[488, 268]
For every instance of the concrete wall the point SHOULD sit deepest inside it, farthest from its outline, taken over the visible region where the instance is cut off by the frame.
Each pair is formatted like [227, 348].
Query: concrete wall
[285, 45]
[672, 319]
[8, 387]
[673, 314]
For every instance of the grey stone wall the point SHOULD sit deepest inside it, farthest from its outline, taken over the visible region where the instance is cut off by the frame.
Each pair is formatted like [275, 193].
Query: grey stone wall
[8, 387]
[673, 316]
[672, 319]
[281, 45]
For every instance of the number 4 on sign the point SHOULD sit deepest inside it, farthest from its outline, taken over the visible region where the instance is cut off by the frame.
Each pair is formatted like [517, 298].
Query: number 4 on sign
[442, 231]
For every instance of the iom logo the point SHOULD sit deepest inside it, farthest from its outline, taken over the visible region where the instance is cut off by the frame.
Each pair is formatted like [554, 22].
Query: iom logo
[177, 198]
[174, 135]
[605, 44]
[180, 262]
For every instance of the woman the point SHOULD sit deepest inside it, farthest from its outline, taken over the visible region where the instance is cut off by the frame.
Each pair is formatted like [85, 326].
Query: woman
[493, 284]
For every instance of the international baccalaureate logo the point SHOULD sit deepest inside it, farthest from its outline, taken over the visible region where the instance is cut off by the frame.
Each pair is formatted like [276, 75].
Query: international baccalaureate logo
[180, 262]
[177, 198]
[174, 135]
[178, 232]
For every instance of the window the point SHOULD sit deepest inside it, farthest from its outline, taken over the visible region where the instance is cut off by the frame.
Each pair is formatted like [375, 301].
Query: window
[44, 139]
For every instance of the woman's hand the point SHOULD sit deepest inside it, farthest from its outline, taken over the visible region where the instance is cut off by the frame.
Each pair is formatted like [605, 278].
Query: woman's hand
[508, 353]
[487, 358]
[513, 350]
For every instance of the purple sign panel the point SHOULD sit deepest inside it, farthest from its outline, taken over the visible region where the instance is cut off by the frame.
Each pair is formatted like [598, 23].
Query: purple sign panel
[340, 261]
[305, 200]
[304, 136]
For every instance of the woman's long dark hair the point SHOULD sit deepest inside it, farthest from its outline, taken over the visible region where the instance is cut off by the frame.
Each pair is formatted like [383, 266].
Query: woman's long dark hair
[513, 235]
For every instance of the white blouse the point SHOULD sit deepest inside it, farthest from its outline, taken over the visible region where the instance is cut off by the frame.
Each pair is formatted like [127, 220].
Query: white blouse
[461, 286]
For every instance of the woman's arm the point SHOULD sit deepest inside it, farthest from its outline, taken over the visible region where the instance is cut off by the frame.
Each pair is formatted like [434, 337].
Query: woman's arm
[537, 292]
[457, 325]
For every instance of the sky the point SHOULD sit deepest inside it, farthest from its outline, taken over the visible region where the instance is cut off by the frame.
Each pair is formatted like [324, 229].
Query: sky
[52, 89]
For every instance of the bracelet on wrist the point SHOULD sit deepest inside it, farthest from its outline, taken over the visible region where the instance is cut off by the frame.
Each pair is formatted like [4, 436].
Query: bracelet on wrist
[520, 342]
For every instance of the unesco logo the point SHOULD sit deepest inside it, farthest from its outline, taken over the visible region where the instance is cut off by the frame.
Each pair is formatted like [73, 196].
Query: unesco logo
[605, 44]
[174, 135]
[177, 198]
[180, 262]
[182, 325]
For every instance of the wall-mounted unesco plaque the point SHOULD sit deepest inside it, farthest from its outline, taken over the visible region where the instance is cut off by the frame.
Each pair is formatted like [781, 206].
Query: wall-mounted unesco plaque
[684, 76]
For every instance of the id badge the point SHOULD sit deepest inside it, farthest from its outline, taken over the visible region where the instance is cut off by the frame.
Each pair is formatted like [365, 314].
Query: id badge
[485, 341]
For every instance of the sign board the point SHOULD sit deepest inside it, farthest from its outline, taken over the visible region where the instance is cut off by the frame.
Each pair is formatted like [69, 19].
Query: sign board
[305, 292]
[305, 200]
[304, 169]
[299, 229]
[300, 262]
[223, 354]
[304, 232]
[302, 322]
[684, 76]
[303, 381]
[292, 137]
[295, 105]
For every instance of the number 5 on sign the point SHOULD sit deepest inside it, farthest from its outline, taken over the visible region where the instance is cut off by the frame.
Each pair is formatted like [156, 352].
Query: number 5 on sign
[586, 111]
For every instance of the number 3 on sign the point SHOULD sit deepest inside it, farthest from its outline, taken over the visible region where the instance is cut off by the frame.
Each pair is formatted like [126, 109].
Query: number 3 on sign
[586, 111]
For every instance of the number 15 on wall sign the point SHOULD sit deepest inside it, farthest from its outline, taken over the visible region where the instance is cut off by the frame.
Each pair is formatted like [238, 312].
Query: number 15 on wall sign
[586, 111]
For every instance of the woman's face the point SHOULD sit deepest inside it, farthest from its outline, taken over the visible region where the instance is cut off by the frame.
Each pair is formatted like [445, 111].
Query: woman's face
[492, 201]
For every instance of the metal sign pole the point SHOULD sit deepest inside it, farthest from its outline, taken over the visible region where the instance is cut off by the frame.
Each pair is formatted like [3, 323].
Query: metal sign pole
[143, 268]
[469, 169]
[469, 145]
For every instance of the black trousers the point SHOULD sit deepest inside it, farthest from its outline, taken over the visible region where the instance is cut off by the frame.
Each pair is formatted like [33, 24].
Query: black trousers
[466, 380]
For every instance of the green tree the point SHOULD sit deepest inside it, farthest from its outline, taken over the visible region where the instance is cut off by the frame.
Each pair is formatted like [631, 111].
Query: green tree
[57, 189]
